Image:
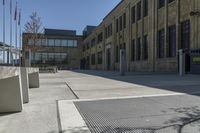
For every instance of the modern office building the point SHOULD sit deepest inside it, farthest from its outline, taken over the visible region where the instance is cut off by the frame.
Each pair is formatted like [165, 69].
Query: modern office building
[150, 31]
[55, 47]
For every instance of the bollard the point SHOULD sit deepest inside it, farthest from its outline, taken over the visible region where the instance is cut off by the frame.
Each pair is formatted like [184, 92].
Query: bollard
[181, 62]
[122, 62]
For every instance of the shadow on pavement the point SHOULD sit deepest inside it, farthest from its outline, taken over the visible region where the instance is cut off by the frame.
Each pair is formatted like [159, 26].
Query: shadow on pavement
[189, 84]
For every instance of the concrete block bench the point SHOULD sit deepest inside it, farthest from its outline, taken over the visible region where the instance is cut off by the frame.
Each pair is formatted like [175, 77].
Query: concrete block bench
[33, 77]
[11, 99]
[25, 84]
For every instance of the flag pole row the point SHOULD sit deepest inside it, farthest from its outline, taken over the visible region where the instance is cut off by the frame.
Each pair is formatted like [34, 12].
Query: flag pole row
[17, 19]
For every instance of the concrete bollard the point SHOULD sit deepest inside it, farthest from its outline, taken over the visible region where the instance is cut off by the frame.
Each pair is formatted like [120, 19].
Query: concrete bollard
[11, 99]
[122, 62]
[181, 62]
[34, 80]
[25, 84]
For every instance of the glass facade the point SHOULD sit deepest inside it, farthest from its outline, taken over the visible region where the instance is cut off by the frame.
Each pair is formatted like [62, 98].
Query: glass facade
[49, 57]
[54, 42]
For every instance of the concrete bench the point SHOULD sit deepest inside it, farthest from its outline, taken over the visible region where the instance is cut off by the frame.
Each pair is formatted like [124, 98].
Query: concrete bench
[33, 77]
[11, 99]
[50, 69]
[25, 84]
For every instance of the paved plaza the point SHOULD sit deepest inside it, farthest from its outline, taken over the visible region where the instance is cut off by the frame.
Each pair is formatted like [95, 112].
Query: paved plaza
[98, 101]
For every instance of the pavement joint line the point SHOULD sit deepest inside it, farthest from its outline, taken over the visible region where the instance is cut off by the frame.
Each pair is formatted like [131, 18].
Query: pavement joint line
[125, 97]
[58, 117]
[76, 96]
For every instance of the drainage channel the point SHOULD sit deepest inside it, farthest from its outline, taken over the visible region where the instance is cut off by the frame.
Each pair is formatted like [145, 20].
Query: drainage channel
[76, 96]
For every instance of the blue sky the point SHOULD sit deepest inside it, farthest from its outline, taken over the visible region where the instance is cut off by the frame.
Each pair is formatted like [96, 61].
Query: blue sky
[61, 14]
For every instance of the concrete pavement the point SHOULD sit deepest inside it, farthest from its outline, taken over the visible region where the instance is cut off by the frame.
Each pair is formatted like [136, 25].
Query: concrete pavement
[40, 115]
[137, 103]
[99, 84]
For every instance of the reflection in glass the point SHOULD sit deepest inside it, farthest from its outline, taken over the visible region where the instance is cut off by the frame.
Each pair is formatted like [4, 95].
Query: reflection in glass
[51, 42]
[57, 42]
[70, 43]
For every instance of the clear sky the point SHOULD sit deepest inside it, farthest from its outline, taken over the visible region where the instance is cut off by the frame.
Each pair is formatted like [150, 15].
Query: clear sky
[61, 14]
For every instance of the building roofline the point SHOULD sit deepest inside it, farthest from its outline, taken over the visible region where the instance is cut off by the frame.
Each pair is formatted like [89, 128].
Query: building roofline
[113, 9]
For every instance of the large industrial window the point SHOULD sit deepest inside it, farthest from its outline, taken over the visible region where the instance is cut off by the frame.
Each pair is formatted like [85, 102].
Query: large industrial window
[169, 1]
[117, 54]
[139, 11]
[108, 31]
[93, 42]
[161, 42]
[120, 23]
[138, 49]
[117, 25]
[133, 15]
[100, 57]
[88, 46]
[145, 8]
[185, 34]
[133, 50]
[100, 37]
[93, 59]
[161, 3]
[124, 17]
[145, 47]
[83, 48]
[171, 48]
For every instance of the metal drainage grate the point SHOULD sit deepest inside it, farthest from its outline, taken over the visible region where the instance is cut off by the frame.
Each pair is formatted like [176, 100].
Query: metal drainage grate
[142, 115]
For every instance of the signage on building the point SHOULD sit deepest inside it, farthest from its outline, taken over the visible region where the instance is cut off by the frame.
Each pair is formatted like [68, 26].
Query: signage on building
[195, 13]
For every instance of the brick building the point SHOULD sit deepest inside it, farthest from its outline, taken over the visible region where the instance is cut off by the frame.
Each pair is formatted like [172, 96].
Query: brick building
[150, 31]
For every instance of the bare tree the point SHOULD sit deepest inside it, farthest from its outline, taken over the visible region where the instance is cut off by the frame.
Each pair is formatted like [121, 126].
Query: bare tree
[35, 30]
[34, 26]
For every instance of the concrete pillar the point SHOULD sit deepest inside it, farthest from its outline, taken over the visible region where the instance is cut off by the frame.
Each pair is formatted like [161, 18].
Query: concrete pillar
[25, 84]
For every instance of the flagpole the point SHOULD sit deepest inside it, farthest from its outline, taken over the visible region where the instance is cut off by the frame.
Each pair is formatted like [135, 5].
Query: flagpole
[11, 54]
[20, 36]
[16, 30]
[4, 29]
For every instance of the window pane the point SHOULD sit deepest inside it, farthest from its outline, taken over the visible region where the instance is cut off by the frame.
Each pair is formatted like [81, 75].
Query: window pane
[50, 42]
[100, 57]
[133, 51]
[30, 42]
[75, 43]
[70, 43]
[145, 47]
[161, 42]
[44, 42]
[57, 42]
[51, 56]
[38, 42]
[64, 43]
